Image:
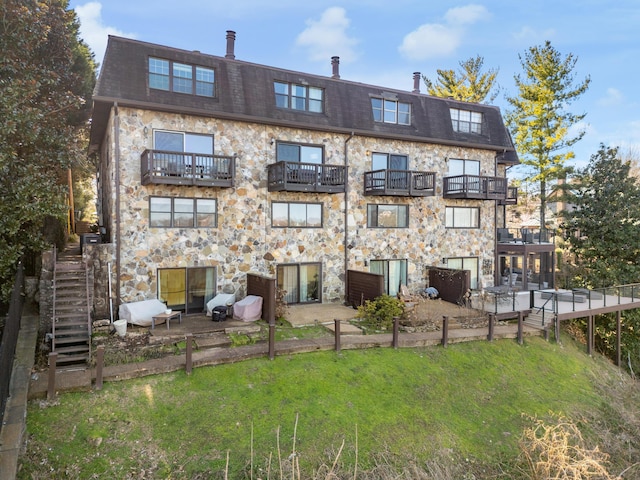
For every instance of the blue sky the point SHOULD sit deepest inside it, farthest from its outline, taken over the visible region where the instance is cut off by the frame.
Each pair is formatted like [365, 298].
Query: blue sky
[382, 42]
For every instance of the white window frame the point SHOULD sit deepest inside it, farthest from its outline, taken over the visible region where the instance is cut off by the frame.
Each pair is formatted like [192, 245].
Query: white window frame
[462, 217]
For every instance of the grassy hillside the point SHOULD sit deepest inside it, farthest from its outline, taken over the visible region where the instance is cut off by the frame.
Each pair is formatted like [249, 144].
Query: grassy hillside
[442, 413]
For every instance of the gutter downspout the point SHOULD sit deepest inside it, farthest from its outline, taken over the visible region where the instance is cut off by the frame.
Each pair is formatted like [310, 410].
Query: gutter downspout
[346, 214]
[116, 139]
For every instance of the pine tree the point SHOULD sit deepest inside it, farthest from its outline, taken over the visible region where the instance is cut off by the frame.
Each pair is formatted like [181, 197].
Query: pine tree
[540, 121]
[603, 226]
[468, 85]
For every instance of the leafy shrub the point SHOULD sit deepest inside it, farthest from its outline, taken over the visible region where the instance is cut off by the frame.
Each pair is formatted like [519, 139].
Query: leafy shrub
[378, 313]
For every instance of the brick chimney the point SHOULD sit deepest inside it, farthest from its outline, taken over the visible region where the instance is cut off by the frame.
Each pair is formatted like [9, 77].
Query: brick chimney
[231, 41]
[335, 66]
[416, 82]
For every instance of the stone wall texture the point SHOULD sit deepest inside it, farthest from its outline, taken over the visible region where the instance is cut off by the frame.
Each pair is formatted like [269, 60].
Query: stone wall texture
[244, 240]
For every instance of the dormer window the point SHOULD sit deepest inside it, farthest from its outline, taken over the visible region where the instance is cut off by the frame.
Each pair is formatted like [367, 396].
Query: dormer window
[299, 97]
[181, 77]
[466, 121]
[391, 111]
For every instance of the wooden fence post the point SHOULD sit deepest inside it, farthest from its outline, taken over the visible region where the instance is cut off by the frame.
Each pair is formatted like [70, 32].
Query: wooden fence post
[520, 327]
[99, 366]
[492, 319]
[51, 385]
[272, 340]
[445, 330]
[590, 335]
[396, 322]
[189, 353]
[336, 330]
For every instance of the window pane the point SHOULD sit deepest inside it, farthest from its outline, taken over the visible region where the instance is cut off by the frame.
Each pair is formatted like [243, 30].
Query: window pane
[206, 213]
[399, 162]
[314, 215]
[198, 143]
[169, 141]
[311, 154]
[390, 111]
[279, 214]
[159, 204]
[182, 78]
[456, 167]
[297, 215]
[472, 167]
[448, 217]
[288, 153]
[183, 205]
[204, 81]
[183, 220]
[379, 161]
[404, 113]
[159, 73]
[376, 105]
[387, 216]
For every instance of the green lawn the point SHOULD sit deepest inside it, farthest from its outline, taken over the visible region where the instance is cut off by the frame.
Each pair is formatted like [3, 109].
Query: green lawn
[463, 403]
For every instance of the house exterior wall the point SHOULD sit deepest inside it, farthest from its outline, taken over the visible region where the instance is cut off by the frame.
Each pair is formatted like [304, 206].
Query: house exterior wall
[244, 240]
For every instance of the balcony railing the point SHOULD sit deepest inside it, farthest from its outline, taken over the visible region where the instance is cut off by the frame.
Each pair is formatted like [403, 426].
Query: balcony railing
[475, 186]
[404, 183]
[177, 168]
[306, 177]
[511, 197]
[530, 236]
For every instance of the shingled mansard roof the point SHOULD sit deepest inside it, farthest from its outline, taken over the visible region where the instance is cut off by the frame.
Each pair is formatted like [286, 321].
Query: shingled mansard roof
[245, 92]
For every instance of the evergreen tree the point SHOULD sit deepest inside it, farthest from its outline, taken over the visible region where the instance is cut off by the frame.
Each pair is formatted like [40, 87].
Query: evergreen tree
[539, 120]
[468, 85]
[603, 227]
[46, 78]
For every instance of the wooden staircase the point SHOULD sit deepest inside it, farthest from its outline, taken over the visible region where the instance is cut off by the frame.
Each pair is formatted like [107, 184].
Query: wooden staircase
[71, 323]
[536, 319]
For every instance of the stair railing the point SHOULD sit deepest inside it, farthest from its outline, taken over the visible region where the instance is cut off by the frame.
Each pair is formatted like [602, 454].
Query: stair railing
[53, 315]
[86, 279]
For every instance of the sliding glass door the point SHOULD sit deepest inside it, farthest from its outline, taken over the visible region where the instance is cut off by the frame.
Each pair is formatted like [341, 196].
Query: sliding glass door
[394, 271]
[301, 282]
[187, 289]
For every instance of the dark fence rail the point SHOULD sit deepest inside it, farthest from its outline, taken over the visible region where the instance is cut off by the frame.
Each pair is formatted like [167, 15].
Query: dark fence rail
[363, 286]
[10, 337]
[452, 284]
[176, 168]
[264, 287]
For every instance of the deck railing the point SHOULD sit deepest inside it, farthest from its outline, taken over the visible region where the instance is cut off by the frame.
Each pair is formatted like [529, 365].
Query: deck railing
[177, 168]
[306, 177]
[475, 186]
[406, 183]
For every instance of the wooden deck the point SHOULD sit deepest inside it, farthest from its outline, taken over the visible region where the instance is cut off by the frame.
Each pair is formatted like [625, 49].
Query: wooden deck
[561, 304]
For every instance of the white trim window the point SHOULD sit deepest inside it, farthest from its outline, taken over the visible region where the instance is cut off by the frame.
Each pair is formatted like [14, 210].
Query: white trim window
[462, 217]
[391, 111]
[181, 77]
[466, 121]
[299, 97]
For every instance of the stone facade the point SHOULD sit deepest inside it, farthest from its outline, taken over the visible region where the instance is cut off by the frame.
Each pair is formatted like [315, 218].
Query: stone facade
[244, 240]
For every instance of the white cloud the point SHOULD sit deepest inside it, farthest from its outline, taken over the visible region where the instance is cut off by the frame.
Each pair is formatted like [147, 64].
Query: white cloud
[93, 32]
[432, 40]
[466, 15]
[612, 98]
[328, 37]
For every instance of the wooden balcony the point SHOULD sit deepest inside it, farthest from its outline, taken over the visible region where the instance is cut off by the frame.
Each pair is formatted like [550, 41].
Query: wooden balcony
[306, 177]
[176, 168]
[402, 183]
[511, 198]
[475, 186]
